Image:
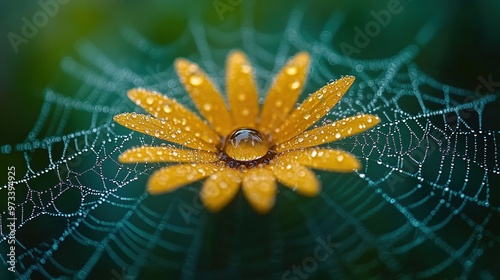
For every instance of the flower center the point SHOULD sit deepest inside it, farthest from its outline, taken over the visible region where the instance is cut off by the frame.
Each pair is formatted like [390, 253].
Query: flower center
[246, 144]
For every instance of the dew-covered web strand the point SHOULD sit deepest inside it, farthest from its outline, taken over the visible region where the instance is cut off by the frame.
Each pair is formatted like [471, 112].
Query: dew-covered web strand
[395, 179]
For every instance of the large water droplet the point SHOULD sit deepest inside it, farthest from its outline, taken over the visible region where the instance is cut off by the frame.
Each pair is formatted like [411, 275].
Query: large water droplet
[246, 144]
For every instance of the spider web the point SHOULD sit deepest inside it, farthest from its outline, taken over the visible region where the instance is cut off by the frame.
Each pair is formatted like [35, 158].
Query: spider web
[423, 206]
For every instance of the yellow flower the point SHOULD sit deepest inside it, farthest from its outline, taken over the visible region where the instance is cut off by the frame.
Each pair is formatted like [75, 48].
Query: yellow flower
[243, 145]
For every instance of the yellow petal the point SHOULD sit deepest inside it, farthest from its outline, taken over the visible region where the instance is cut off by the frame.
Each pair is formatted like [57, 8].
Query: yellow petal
[325, 159]
[166, 154]
[241, 90]
[330, 132]
[205, 96]
[220, 188]
[163, 107]
[295, 176]
[259, 187]
[315, 107]
[284, 92]
[171, 178]
[173, 130]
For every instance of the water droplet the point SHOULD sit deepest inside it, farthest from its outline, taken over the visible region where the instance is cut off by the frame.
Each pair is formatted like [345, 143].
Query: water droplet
[246, 68]
[245, 112]
[134, 115]
[295, 85]
[340, 158]
[223, 185]
[207, 107]
[246, 144]
[314, 153]
[167, 108]
[278, 103]
[150, 100]
[337, 135]
[292, 70]
[242, 97]
[195, 80]
[307, 116]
